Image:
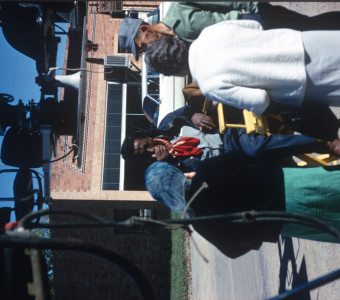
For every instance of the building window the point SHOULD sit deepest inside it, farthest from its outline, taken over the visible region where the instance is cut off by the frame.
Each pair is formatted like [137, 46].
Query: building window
[124, 114]
[113, 136]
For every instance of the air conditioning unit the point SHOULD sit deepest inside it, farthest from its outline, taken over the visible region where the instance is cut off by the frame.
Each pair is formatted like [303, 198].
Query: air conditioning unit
[116, 68]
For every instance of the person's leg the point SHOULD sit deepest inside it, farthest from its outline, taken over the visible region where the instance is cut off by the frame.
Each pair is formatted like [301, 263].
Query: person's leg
[322, 67]
[275, 145]
[325, 21]
[275, 16]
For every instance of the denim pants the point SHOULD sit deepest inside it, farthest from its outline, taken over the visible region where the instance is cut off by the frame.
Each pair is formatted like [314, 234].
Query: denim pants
[267, 147]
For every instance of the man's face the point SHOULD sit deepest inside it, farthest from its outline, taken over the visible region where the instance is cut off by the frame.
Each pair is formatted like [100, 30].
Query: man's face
[145, 37]
[142, 145]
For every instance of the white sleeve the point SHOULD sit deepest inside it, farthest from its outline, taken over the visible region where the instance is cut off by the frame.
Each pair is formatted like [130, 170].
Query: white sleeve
[252, 99]
[251, 24]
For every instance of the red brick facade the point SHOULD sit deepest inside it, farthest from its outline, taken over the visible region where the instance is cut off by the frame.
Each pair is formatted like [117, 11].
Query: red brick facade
[80, 276]
[78, 187]
[68, 181]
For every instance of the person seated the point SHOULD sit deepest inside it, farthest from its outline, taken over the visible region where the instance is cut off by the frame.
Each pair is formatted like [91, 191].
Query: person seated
[284, 65]
[231, 184]
[164, 143]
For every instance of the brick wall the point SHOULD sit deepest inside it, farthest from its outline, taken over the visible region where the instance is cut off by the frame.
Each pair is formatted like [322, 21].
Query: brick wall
[67, 177]
[80, 276]
[78, 187]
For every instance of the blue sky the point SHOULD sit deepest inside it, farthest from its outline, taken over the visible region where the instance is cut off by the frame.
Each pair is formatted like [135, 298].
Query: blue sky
[17, 78]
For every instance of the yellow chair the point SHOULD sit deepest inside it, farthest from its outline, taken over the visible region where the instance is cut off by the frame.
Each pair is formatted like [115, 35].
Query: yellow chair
[255, 123]
[316, 160]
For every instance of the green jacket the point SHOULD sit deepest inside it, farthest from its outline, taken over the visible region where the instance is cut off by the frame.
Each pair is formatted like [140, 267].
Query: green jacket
[188, 19]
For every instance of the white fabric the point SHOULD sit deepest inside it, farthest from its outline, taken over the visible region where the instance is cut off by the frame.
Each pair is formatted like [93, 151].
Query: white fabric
[322, 66]
[239, 64]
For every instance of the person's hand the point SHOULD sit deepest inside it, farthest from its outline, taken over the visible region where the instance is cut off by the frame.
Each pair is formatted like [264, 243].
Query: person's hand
[202, 121]
[334, 146]
[161, 152]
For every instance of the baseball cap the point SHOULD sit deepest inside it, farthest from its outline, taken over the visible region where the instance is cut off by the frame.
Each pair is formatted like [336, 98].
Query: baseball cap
[127, 32]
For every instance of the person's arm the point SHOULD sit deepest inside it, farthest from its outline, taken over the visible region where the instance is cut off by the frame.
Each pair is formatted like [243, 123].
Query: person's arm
[225, 6]
[252, 99]
[178, 116]
[186, 115]
[186, 165]
[188, 19]
[251, 24]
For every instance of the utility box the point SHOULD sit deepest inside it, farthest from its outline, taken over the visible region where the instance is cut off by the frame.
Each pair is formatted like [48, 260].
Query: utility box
[116, 68]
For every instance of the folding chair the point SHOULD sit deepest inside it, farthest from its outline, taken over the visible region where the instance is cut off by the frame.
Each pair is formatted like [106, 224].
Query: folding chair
[256, 123]
[315, 160]
[253, 123]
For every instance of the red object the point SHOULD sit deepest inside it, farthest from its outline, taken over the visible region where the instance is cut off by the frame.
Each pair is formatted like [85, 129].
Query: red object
[11, 225]
[185, 146]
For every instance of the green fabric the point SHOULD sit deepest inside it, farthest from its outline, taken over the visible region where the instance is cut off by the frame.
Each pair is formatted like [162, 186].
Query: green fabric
[315, 192]
[188, 19]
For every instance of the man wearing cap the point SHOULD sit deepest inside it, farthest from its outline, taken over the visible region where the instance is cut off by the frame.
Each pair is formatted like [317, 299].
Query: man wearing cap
[186, 20]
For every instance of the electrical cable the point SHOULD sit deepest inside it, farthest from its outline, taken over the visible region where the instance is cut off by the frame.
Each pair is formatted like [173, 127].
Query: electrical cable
[242, 217]
[305, 287]
[47, 161]
[6, 97]
[130, 269]
[75, 69]
[62, 29]
[40, 199]
[27, 197]
[33, 215]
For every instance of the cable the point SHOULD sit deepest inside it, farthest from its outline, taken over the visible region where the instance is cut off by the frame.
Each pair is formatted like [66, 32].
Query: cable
[46, 161]
[76, 156]
[242, 217]
[97, 221]
[76, 69]
[62, 29]
[33, 215]
[27, 197]
[131, 270]
[306, 287]
[6, 97]
[263, 216]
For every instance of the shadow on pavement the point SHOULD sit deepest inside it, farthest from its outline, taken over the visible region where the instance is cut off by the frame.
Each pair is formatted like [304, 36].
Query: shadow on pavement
[290, 274]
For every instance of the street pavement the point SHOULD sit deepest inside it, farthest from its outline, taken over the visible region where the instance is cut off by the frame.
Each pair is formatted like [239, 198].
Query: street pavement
[276, 267]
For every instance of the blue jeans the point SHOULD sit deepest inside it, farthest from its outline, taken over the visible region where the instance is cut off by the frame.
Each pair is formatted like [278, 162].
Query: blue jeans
[266, 147]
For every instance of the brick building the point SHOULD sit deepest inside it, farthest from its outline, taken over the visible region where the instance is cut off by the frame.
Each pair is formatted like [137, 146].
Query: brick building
[97, 181]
